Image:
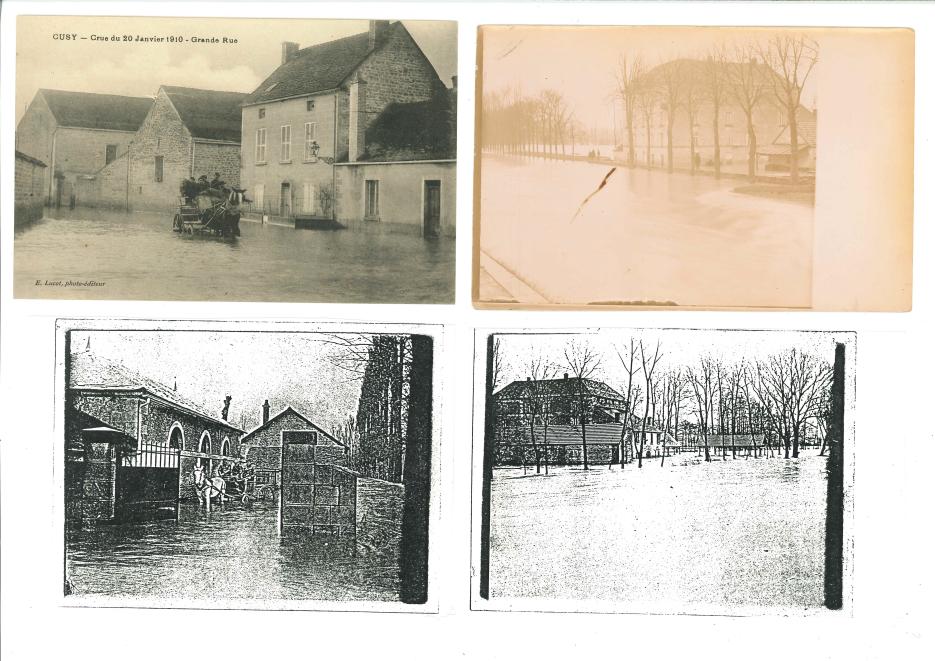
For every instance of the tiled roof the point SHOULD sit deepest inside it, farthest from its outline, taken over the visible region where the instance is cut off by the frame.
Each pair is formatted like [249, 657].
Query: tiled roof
[97, 111]
[806, 124]
[289, 409]
[91, 372]
[29, 159]
[208, 114]
[315, 69]
[425, 130]
[567, 387]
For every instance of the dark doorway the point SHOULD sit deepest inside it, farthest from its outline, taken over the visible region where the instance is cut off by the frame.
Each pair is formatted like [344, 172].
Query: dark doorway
[285, 199]
[432, 207]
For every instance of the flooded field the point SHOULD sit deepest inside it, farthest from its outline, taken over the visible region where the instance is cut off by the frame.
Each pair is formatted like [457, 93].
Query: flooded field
[234, 553]
[647, 236]
[137, 256]
[735, 535]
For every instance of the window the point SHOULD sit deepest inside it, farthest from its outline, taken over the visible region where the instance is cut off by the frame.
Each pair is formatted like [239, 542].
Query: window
[781, 118]
[110, 154]
[261, 113]
[308, 197]
[310, 104]
[159, 164]
[261, 145]
[311, 146]
[372, 198]
[258, 192]
[729, 116]
[285, 144]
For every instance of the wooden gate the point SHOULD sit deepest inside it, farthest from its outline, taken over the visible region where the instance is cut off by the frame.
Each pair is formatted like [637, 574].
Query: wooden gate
[319, 498]
[147, 484]
[432, 208]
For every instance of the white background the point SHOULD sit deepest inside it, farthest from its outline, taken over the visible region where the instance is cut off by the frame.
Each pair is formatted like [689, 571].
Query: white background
[893, 572]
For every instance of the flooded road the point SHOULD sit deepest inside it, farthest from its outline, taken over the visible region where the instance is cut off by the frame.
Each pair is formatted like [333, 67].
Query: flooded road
[138, 257]
[689, 537]
[234, 553]
[645, 236]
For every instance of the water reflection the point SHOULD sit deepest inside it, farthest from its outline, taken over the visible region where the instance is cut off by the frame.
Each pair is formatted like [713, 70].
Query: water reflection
[231, 553]
[139, 257]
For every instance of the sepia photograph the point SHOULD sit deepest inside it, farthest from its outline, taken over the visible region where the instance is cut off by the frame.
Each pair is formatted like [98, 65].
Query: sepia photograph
[664, 471]
[227, 159]
[664, 166]
[246, 468]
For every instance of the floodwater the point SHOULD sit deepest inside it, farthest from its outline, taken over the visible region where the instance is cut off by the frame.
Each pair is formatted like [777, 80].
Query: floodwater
[730, 536]
[232, 553]
[138, 256]
[646, 236]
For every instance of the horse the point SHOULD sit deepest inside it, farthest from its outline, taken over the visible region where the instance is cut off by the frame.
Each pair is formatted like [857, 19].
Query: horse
[208, 487]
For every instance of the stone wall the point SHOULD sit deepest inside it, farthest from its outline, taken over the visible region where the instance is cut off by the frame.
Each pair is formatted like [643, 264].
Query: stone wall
[317, 498]
[379, 513]
[29, 192]
[401, 195]
[223, 158]
[162, 134]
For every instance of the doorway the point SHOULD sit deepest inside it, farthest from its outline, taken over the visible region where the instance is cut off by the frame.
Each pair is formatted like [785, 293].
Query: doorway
[431, 207]
[285, 200]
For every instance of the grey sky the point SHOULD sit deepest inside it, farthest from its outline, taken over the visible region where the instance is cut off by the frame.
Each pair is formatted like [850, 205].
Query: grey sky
[580, 61]
[286, 368]
[138, 69]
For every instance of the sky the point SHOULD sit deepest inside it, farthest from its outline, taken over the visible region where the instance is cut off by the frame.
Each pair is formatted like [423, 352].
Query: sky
[678, 348]
[138, 69]
[289, 369]
[580, 61]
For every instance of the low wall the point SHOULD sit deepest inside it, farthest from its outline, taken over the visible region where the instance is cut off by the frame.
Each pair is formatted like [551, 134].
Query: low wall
[379, 513]
[26, 213]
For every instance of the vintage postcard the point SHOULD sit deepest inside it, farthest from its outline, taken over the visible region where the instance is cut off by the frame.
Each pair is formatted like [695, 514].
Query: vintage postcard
[694, 167]
[664, 471]
[230, 159]
[253, 466]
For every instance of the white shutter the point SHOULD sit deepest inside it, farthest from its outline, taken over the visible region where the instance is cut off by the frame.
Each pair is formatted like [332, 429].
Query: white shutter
[309, 197]
[258, 196]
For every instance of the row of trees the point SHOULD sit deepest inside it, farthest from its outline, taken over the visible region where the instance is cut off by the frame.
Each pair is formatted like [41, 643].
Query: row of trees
[518, 124]
[746, 76]
[775, 399]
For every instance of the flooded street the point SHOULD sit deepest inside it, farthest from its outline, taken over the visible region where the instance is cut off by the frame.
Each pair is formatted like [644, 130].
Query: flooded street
[688, 537]
[647, 236]
[137, 256]
[234, 553]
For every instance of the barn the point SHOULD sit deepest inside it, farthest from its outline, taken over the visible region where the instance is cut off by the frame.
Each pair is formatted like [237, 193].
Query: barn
[131, 443]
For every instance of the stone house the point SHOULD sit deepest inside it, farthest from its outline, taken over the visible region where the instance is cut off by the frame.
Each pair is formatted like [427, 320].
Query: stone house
[186, 133]
[560, 397]
[29, 191]
[76, 134]
[263, 445]
[650, 140]
[309, 149]
[131, 441]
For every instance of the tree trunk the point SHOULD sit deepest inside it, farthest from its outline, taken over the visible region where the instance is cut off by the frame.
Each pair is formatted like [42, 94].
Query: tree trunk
[717, 140]
[631, 148]
[795, 442]
[793, 144]
[670, 121]
[751, 148]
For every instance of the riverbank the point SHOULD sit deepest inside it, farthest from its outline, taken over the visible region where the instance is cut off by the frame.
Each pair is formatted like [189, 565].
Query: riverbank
[799, 193]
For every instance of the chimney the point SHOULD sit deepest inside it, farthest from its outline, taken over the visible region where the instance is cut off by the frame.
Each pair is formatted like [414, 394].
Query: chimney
[617, 416]
[454, 82]
[289, 49]
[377, 30]
[529, 378]
[566, 375]
[265, 411]
[227, 405]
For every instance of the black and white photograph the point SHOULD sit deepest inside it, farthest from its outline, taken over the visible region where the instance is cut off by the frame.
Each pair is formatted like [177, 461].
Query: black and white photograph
[664, 471]
[683, 167]
[254, 467]
[235, 159]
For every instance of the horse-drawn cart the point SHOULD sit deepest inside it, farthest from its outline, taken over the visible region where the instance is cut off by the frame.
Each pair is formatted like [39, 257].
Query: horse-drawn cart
[207, 209]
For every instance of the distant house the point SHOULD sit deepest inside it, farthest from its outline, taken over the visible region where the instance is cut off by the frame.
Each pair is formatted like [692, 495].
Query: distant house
[561, 396]
[187, 133]
[778, 153]
[77, 134]
[262, 446]
[29, 191]
[358, 130]
[131, 441]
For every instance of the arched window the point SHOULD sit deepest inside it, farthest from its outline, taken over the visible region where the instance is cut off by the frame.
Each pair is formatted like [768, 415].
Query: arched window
[226, 446]
[204, 446]
[176, 437]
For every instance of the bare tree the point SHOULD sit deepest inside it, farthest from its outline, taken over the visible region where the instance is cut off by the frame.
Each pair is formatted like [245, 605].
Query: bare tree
[792, 59]
[646, 102]
[716, 90]
[671, 94]
[582, 362]
[649, 365]
[628, 74]
[747, 85]
[701, 379]
[693, 101]
[627, 360]
[536, 401]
